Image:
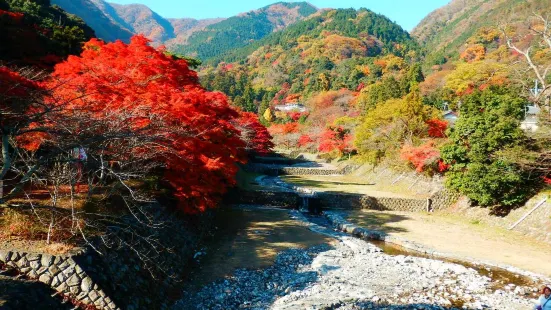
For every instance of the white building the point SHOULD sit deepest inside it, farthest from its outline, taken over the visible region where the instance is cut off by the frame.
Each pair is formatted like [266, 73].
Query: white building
[530, 122]
[298, 107]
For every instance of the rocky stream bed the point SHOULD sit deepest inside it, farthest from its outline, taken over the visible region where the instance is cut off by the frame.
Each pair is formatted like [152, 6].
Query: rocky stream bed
[350, 273]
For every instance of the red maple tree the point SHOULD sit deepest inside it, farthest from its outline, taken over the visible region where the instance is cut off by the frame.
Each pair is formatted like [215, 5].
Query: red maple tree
[335, 138]
[256, 137]
[304, 141]
[132, 103]
[422, 157]
[437, 128]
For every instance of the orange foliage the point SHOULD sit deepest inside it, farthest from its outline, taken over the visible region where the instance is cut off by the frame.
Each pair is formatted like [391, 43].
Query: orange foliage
[282, 129]
[421, 157]
[292, 98]
[474, 53]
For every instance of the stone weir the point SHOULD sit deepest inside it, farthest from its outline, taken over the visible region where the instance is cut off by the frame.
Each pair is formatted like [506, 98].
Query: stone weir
[290, 195]
[129, 273]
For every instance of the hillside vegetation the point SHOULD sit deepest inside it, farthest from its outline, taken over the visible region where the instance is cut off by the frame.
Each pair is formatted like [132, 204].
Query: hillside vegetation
[39, 34]
[445, 32]
[241, 30]
[351, 83]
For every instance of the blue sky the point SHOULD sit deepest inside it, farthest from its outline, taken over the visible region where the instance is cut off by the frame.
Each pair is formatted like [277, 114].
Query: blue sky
[407, 13]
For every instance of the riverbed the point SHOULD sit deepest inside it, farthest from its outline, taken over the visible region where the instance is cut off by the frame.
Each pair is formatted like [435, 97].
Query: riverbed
[282, 259]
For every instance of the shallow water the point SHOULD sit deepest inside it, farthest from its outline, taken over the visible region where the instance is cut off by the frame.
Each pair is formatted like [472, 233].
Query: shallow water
[499, 276]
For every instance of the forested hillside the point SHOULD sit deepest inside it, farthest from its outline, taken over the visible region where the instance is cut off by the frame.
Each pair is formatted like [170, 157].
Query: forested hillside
[241, 30]
[327, 63]
[39, 34]
[192, 37]
[98, 15]
[445, 32]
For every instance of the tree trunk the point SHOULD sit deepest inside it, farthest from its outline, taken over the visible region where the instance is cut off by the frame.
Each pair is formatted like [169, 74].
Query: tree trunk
[7, 161]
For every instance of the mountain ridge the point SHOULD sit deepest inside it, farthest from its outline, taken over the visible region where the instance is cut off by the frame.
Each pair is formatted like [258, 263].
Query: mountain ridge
[187, 35]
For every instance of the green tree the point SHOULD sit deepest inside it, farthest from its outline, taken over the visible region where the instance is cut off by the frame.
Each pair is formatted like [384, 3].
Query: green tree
[413, 77]
[489, 124]
[249, 99]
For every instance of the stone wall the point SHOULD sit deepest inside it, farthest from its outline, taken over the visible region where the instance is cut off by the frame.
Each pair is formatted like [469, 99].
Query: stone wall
[275, 170]
[329, 201]
[119, 277]
[59, 272]
[444, 199]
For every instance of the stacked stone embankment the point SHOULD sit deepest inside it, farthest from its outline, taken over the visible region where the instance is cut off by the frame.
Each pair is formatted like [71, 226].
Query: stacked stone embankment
[59, 272]
[140, 266]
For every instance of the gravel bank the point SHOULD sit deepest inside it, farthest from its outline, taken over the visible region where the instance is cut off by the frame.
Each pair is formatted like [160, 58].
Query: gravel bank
[354, 274]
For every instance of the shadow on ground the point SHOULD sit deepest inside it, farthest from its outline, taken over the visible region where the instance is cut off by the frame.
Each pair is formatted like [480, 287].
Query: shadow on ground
[16, 294]
[250, 238]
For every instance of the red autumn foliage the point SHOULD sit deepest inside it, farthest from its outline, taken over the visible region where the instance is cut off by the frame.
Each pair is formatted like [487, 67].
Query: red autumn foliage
[421, 157]
[16, 93]
[138, 90]
[546, 180]
[304, 141]
[442, 166]
[437, 128]
[13, 16]
[335, 138]
[295, 116]
[254, 134]
[282, 93]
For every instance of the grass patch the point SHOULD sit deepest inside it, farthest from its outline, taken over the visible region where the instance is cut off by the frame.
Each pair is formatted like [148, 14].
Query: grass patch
[475, 222]
[350, 184]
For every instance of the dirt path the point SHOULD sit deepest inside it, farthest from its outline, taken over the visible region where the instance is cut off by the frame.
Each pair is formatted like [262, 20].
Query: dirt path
[453, 235]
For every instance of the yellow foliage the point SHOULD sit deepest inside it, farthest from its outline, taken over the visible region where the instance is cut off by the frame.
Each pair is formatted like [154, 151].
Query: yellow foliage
[364, 69]
[268, 115]
[485, 36]
[388, 125]
[467, 76]
[392, 63]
